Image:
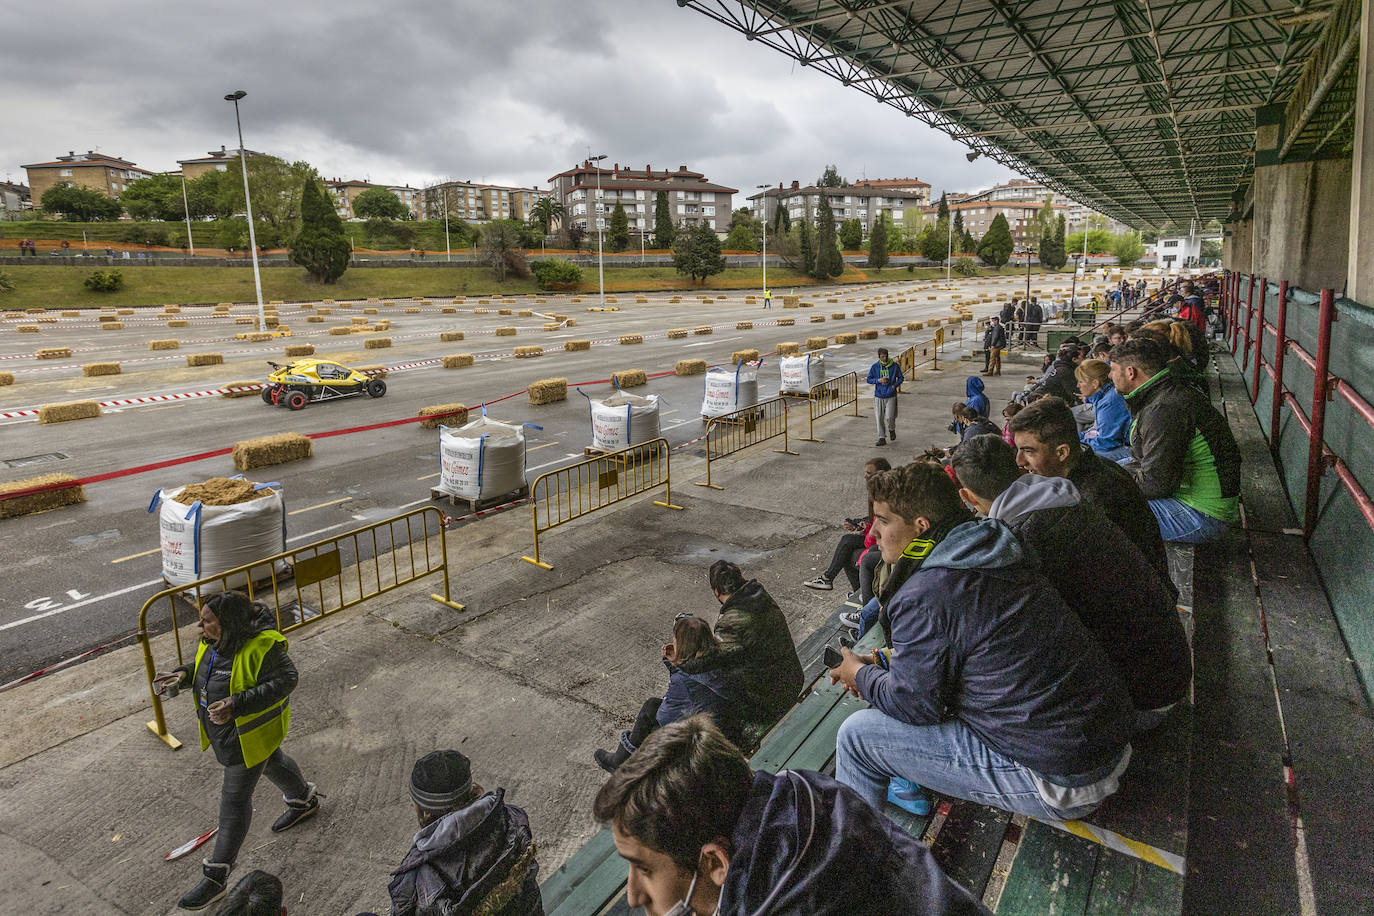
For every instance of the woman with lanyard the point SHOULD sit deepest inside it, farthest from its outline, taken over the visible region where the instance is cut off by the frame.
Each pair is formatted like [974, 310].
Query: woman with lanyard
[241, 678]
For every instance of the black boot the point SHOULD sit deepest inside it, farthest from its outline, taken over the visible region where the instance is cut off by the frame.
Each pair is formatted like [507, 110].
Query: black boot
[298, 809]
[210, 888]
[610, 761]
[645, 723]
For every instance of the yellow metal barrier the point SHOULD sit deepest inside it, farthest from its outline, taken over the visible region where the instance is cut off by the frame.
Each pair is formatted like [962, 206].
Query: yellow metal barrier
[583, 488]
[829, 396]
[309, 583]
[747, 426]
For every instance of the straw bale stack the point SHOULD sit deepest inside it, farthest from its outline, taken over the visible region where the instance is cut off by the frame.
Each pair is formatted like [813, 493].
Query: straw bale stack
[443, 415]
[788, 348]
[632, 338]
[703, 330]
[411, 310]
[448, 310]
[676, 333]
[376, 343]
[528, 352]
[68, 410]
[868, 334]
[817, 343]
[248, 389]
[743, 356]
[71, 313]
[270, 450]
[53, 353]
[786, 322]
[525, 313]
[630, 378]
[372, 311]
[690, 367]
[505, 311]
[571, 346]
[816, 319]
[744, 325]
[341, 330]
[91, 370]
[6, 378]
[848, 338]
[837, 316]
[324, 311]
[205, 359]
[549, 391]
[28, 328]
[301, 350]
[458, 361]
[450, 336]
[505, 332]
[894, 330]
[40, 502]
[245, 321]
[167, 344]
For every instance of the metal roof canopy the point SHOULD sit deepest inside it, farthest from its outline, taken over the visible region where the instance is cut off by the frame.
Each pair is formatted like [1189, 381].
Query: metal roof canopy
[1141, 109]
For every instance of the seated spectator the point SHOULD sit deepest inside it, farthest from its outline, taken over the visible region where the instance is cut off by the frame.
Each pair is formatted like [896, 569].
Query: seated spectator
[1111, 428]
[754, 638]
[718, 693]
[974, 397]
[1192, 309]
[995, 691]
[1100, 351]
[1183, 455]
[1099, 573]
[473, 854]
[853, 543]
[256, 894]
[970, 423]
[1008, 412]
[1047, 444]
[1058, 379]
[703, 833]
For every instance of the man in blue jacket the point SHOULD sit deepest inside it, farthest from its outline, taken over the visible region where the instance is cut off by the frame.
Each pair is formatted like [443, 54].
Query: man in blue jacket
[703, 834]
[886, 377]
[996, 692]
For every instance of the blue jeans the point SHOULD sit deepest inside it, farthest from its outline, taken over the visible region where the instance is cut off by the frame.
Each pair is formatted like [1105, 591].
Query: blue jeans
[1117, 455]
[1179, 522]
[947, 758]
[868, 615]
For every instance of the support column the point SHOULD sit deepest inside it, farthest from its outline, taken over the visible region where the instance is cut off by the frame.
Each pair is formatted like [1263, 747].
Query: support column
[1360, 265]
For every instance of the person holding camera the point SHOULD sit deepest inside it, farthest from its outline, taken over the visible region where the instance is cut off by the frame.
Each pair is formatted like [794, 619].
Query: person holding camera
[241, 678]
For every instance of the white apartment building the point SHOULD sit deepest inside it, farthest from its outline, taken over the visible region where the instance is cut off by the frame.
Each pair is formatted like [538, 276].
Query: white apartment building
[691, 198]
[864, 201]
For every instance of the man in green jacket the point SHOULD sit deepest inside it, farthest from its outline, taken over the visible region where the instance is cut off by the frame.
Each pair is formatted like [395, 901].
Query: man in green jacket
[1183, 455]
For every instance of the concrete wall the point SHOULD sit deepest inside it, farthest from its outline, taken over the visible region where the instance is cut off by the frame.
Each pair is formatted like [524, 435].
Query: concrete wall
[1360, 262]
[1302, 222]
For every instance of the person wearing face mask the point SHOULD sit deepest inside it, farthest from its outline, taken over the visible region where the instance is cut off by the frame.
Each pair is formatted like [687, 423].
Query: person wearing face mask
[994, 691]
[702, 834]
[241, 678]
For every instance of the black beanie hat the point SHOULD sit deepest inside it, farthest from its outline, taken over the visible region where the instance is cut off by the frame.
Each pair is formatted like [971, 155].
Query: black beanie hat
[440, 780]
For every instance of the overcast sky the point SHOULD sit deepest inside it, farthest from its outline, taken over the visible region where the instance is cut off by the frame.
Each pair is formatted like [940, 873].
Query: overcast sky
[408, 91]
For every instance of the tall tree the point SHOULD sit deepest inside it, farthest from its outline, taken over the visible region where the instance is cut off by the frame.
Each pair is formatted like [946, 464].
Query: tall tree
[276, 186]
[806, 246]
[663, 221]
[82, 204]
[500, 249]
[959, 224]
[1052, 254]
[829, 263]
[1041, 225]
[619, 236]
[831, 178]
[851, 234]
[996, 247]
[877, 244]
[741, 239]
[934, 242]
[157, 197]
[1128, 248]
[942, 209]
[696, 252]
[320, 246]
[545, 212]
[379, 203]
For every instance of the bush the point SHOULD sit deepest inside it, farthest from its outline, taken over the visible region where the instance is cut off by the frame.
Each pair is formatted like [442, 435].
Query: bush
[965, 267]
[6, 283]
[105, 281]
[560, 271]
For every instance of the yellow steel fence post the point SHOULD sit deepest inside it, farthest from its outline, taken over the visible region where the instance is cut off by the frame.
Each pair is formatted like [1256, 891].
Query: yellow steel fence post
[786, 448]
[159, 724]
[534, 517]
[667, 477]
[710, 424]
[446, 597]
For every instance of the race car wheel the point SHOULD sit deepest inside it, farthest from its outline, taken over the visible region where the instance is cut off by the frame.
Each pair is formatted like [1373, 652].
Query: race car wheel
[376, 388]
[269, 394]
[297, 400]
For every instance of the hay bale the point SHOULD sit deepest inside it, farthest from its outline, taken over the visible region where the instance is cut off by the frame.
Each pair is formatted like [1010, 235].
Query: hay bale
[816, 319]
[68, 410]
[29, 328]
[571, 346]
[676, 333]
[373, 299]
[341, 330]
[324, 311]
[868, 334]
[377, 343]
[53, 353]
[631, 338]
[164, 344]
[6, 378]
[505, 311]
[270, 450]
[846, 338]
[124, 312]
[786, 322]
[690, 367]
[248, 389]
[791, 302]
[271, 321]
[40, 502]
[223, 306]
[480, 311]
[443, 414]
[569, 322]
[458, 361]
[641, 299]
[90, 370]
[932, 322]
[703, 330]
[205, 359]
[552, 326]
[743, 356]
[301, 350]
[258, 337]
[675, 300]
[383, 325]
[525, 313]
[450, 336]
[894, 330]
[178, 323]
[859, 314]
[630, 378]
[505, 332]
[744, 325]
[788, 348]
[103, 319]
[314, 319]
[448, 310]
[837, 316]
[528, 352]
[371, 312]
[914, 325]
[548, 391]
[245, 321]
[411, 310]
[817, 343]
[71, 313]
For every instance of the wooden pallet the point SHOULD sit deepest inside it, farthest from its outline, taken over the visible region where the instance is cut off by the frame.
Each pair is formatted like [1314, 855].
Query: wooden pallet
[591, 451]
[477, 505]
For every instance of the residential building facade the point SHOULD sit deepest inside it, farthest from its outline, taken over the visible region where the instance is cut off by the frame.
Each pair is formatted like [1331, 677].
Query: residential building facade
[344, 193]
[218, 160]
[478, 203]
[692, 199]
[1026, 191]
[978, 215]
[865, 201]
[14, 200]
[109, 175]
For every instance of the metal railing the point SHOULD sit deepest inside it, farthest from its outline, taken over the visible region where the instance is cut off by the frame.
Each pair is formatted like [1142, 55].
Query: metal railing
[827, 397]
[582, 488]
[309, 583]
[734, 432]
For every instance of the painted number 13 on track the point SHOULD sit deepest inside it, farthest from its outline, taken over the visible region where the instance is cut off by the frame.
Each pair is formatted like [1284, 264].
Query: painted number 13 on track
[49, 604]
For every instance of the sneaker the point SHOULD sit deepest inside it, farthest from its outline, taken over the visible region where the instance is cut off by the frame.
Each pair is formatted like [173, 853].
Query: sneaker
[210, 888]
[908, 796]
[820, 583]
[881, 442]
[297, 810]
[850, 619]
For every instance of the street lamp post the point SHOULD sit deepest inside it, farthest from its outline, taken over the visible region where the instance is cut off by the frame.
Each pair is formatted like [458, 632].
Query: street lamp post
[596, 215]
[765, 239]
[949, 256]
[190, 240]
[248, 204]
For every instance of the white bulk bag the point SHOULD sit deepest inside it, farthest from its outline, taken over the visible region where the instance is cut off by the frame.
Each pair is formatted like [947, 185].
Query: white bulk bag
[200, 541]
[481, 459]
[623, 420]
[728, 390]
[800, 373]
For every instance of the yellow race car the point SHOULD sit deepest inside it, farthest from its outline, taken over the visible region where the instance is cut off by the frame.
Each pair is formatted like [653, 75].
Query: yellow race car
[304, 380]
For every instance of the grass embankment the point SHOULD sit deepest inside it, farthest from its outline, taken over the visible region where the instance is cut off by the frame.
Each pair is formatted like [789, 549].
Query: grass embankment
[55, 287]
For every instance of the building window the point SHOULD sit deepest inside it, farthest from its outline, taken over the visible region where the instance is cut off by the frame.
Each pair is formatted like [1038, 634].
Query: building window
[66, 173]
[1171, 243]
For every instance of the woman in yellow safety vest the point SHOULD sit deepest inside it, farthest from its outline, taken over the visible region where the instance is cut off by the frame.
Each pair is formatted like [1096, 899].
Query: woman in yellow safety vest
[240, 679]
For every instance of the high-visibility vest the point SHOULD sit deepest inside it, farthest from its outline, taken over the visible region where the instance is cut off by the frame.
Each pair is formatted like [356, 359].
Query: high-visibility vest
[260, 733]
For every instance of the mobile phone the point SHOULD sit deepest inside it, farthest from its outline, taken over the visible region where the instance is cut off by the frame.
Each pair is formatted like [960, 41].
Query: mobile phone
[832, 657]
